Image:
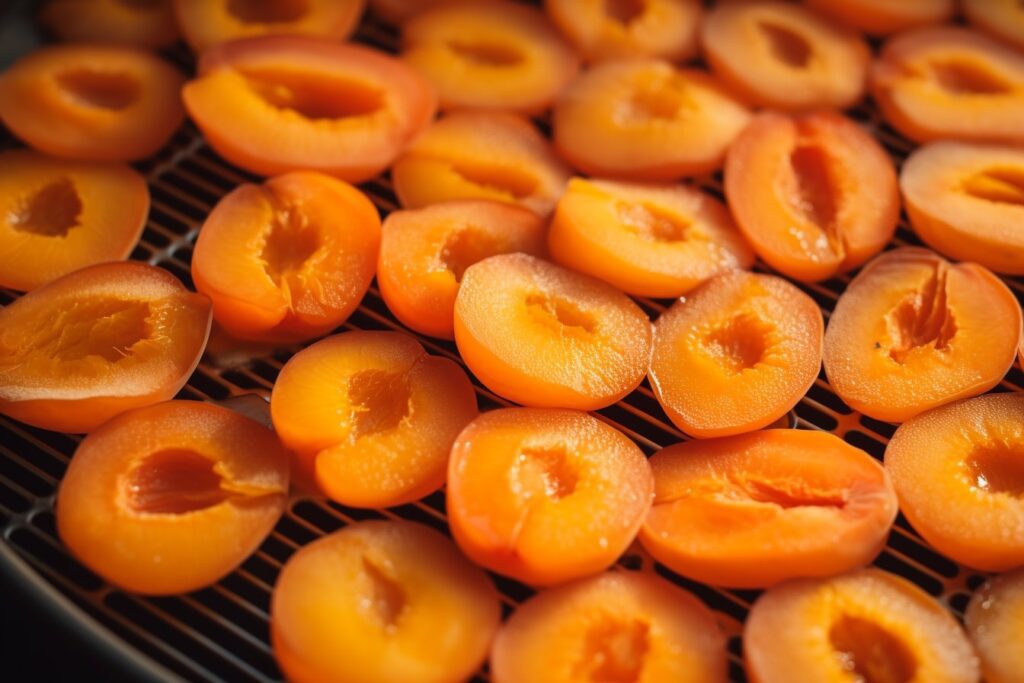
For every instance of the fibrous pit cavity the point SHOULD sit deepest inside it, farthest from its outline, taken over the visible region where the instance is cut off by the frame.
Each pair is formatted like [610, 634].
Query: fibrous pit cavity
[379, 400]
[506, 180]
[922, 319]
[486, 54]
[997, 468]
[467, 246]
[651, 222]
[969, 78]
[387, 599]
[870, 652]
[51, 211]
[788, 46]
[1001, 185]
[547, 470]
[614, 650]
[111, 90]
[268, 11]
[564, 315]
[625, 12]
[740, 343]
[289, 245]
[174, 481]
[314, 96]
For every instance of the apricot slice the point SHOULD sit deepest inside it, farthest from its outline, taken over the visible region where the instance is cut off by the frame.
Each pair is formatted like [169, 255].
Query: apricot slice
[880, 17]
[615, 627]
[147, 23]
[144, 487]
[950, 82]
[736, 354]
[967, 201]
[913, 331]
[59, 216]
[480, 155]
[866, 625]
[993, 619]
[92, 102]
[275, 104]
[1003, 19]
[372, 415]
[492, 55]
[652, 120]
[424, 253]
[206, 23]
[97, 342]
[620, 29]
[646, 239]
[815, 194]
[289, 259]
[786, 56]
[544, 336]
[545, 495]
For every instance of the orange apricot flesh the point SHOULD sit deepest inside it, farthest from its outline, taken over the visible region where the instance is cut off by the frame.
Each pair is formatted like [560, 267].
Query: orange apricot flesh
[146, 485]
[866, 625]
[544, 336]
[545, 495]
[424, 253]
[287, 260]
[618, 626]
[382, 601]
[1003, 19]
[993, 620]
[371, 416]
[646, 239]
[814, 194]
[879, 17]
[397, 12]
[146, 23]
[913, 331]
[96, 342]
[736, 354]
[59, 215]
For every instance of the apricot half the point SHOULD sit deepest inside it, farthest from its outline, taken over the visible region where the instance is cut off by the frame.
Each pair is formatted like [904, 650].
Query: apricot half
[736, 354]
[379, 602]
[57, 216]
[616, 627]
[147, 485]
[913, 331]
[993, 619]
[544, 336]
[372, 416]
[147, 23]
[866, 625]
[652, 120]
[97, 342]
[424, 253]
[284, 103]
[1003, 19]
[879, 17]
[646, 239]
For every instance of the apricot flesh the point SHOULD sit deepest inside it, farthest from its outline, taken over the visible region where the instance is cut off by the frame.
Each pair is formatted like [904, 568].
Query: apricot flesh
[149, 23]
[993, 620]
[1003, 19]
[879, 17]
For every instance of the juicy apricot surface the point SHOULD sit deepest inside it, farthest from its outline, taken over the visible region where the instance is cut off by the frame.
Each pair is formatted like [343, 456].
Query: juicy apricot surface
[544, 336]
[146, 485]
[814, 194]
[913, 331]
[275, 104]
[289, 259]
[147, 23]
[424, 253]
[950, 82]
[480, 155]
[618, 626]
[382, 601]
[653, 121]
[97, 342]
[966, 200]
[646, 239]
[879, 17]
[783, 55]
[57, 216]
[993, 620]
[371, 416]
[545, 495]
[866, 625]
[752, 510]
[1003, 19]
[736, 354]
[92, 102]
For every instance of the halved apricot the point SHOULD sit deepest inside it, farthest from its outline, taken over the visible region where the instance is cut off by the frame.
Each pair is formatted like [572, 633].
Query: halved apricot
[57, 216]
[646, 239]
[381, 602]
[867, 625]
[147, 485]
[545, 495]
[615, 627]
[1003, 19]
[993, 619]
[284, 103]
[652, 121]
[879, 17]
[913, 331]
[967, 201]
[372, 415]
[544, 336]
[480, 155]
[424, 253]
[815, 194]
[147, 23]
[783, 55]
[736, 354]
[206, 23]
[97, 342]
[492, 55]
[287, 260]
[950, 82]
[92, 102]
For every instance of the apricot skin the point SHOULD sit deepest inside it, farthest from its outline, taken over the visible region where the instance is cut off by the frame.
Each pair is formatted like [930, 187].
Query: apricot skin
[879, 17]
